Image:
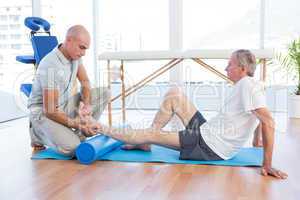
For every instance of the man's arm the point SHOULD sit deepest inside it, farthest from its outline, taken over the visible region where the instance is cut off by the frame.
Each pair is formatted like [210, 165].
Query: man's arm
[268, 129]
[257, 138]
[50, 108]
[85, 85]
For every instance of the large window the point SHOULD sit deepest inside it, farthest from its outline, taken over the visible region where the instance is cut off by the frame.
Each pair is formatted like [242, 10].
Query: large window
[220, 24]
[14, 40]
[282, 22]
[134, 25]
[64, 14]
[281, 28]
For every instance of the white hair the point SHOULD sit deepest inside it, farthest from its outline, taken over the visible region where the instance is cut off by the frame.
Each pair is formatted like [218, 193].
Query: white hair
[246, 59]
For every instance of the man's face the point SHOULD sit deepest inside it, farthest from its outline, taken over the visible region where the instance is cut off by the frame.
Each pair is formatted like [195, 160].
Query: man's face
[77, 46]
[234, 71]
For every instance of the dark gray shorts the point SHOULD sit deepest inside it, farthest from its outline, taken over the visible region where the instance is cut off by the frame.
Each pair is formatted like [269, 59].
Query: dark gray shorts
[193, 147]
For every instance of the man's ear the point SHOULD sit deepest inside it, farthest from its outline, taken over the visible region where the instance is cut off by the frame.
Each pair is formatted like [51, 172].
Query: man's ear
[244, 69]
[69, 39]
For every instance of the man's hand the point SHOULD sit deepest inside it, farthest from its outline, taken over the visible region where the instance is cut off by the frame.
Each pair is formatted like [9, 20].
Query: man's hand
[84, 109]
[89, 128]
[265, 171]
[88, 124]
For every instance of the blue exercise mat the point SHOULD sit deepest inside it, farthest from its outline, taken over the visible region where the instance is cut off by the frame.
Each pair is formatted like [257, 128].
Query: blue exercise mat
[246, 156]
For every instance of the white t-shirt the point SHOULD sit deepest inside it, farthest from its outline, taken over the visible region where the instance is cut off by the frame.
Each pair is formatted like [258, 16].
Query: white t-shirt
[227, 132]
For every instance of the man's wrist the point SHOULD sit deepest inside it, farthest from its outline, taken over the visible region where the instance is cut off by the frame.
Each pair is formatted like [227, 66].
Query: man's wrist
[267, 164]
[86, 102]
[74, 123]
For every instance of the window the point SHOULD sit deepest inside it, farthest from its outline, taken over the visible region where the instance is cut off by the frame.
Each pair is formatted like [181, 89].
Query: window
[134, 25]
[64, 14]
[11, 43]
[3, 27]
[3, 37]
[281, 23]
[220, 24]
[193, 72]
[15, 26]
[3, 18]
[281, 28]
[15, 36]
[1, 78]
[3, 46]
[16, 46]
[14, 18]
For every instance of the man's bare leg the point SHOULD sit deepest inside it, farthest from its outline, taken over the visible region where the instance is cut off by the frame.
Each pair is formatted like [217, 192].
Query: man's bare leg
[143, 136]
[175, 102]
[257, 138]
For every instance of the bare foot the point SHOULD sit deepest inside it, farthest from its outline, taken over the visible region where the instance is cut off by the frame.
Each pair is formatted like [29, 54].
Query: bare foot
[89, 125]
[38, 147]
[143, 147]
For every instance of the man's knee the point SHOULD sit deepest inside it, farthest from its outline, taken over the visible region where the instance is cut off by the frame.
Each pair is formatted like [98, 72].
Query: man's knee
[174, 91]
[175, 95]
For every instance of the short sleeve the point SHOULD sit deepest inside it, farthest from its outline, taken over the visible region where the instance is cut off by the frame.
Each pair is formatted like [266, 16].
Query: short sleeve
[253, 96]
[49, 77]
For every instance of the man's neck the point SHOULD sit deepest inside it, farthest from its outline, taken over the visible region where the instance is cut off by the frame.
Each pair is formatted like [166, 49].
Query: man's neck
[64, 51]
[240, 78]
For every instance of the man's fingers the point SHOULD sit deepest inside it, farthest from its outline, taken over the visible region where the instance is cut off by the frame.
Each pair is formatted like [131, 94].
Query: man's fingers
[98, 126]
[81, 105]
[92, 131]
[277, 173]
[88, 110]
[285, 175]
[264, 172]
[85, 108]
[281, 174]
[274, 172]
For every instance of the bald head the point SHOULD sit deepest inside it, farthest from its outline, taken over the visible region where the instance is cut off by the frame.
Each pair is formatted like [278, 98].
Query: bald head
[77, 31]
[77, 41]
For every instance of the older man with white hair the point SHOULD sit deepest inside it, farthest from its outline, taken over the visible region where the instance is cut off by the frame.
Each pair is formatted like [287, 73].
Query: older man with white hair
[55, 104]
[221, 137]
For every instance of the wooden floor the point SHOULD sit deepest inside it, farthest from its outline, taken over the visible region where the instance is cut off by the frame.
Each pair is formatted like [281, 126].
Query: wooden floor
[23, 178]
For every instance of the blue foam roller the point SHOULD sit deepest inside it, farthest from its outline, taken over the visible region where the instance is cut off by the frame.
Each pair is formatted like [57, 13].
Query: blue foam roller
[92, 149]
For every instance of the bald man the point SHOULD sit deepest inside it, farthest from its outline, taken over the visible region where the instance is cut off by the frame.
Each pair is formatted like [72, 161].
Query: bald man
[56, 107]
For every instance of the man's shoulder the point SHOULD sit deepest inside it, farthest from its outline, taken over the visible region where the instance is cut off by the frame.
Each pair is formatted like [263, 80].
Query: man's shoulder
[50, 59]
[250, 83]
